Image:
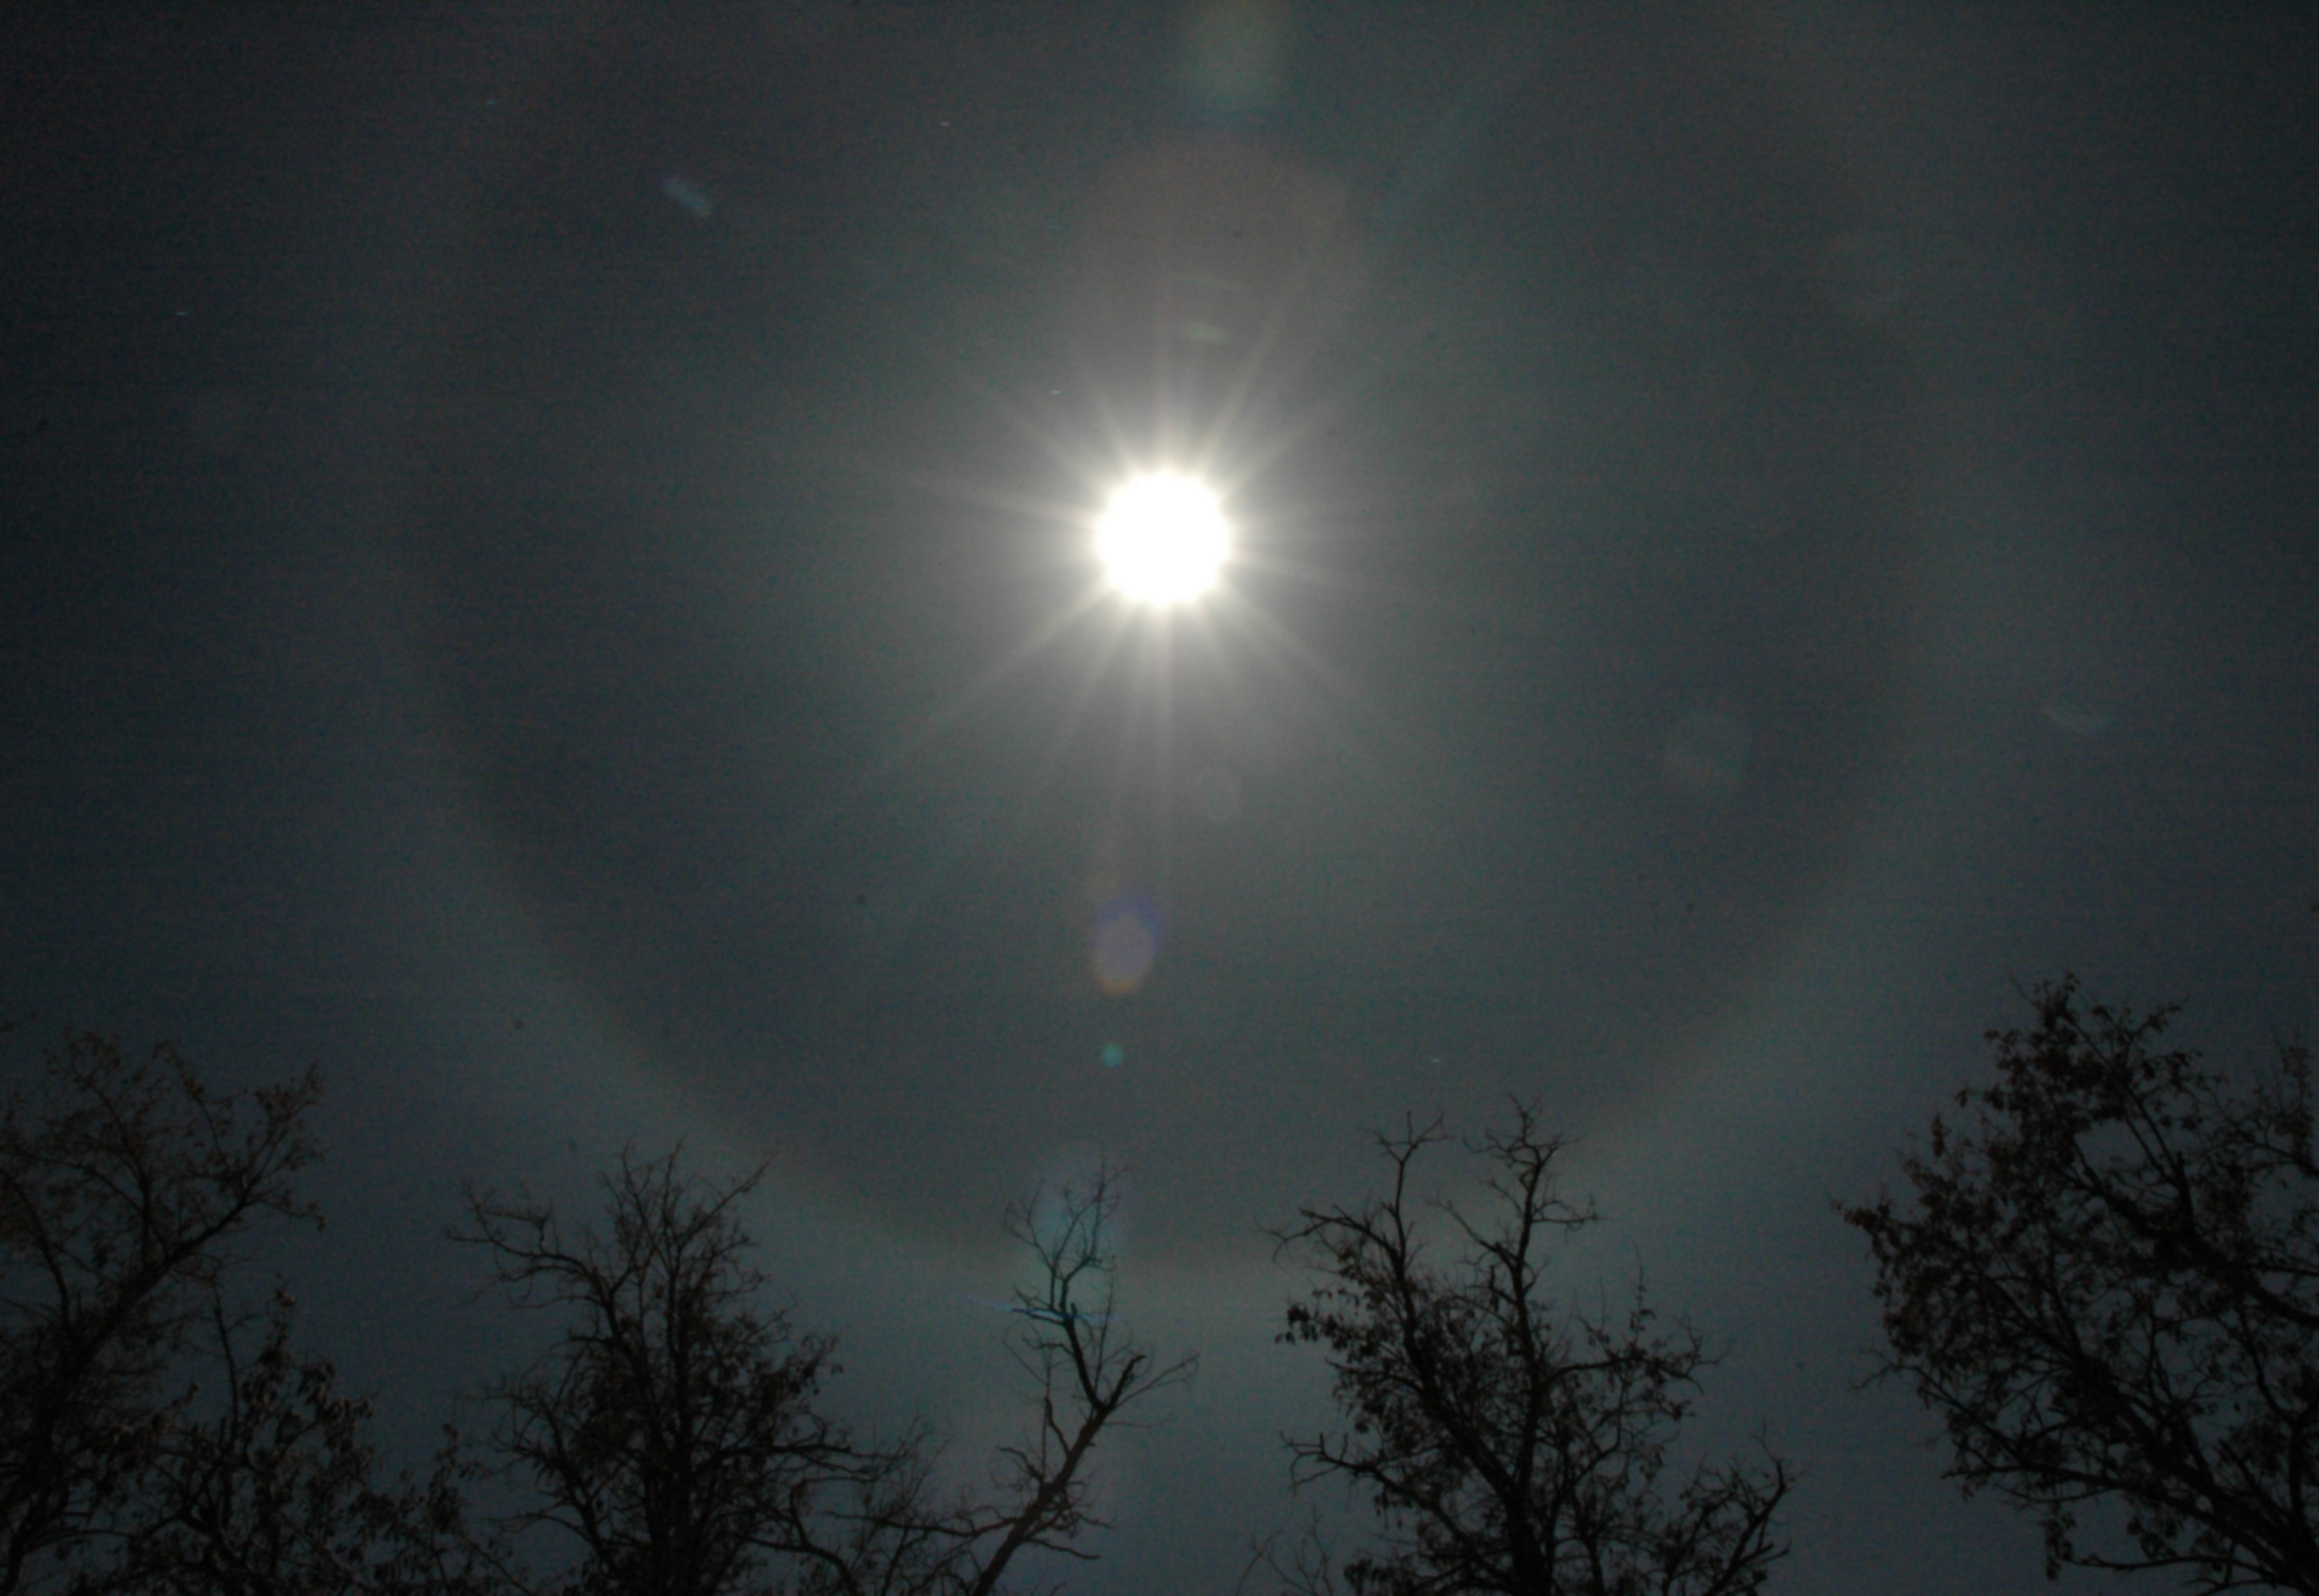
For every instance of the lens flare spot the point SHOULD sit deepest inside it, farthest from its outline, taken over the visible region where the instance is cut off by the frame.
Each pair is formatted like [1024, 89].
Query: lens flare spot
[2078, 719]
[1114, 1055]
[688, 195]
[1125, 944]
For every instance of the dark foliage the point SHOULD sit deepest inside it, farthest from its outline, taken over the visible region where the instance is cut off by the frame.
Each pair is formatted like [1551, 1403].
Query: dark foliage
[1508, 1445]
[2106, 1282]
[274, 1489]
[127, 1189]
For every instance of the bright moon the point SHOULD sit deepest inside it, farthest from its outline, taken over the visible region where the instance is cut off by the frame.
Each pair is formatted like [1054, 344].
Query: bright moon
[1162, 539]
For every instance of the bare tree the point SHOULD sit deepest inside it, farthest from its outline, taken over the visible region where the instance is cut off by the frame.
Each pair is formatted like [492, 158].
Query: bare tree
[2106, 1282]
[674, 1434]
[1505, 1444]
[1084, 1370]
[126, 1190]
[270, 1486]
[670, 1432]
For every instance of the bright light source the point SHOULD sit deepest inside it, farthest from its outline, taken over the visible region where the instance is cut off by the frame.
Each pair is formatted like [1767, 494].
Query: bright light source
[1163, 539]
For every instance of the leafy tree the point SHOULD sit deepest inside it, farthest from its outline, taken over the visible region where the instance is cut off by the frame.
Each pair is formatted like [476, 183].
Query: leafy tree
[2106, 1282]
[673, 1432]
[128, 1190]
[1505, 1444]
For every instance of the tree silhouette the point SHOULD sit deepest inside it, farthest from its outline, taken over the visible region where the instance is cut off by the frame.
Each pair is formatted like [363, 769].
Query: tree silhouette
[127, 1189]
[670, 1430]
[1084, 1371]
[1506, 1445]
[673, 1432]
[273, 1487]
[2106, 1282]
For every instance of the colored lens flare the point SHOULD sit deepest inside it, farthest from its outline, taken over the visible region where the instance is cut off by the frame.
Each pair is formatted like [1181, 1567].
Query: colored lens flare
[1163, 539]
[1126, 944]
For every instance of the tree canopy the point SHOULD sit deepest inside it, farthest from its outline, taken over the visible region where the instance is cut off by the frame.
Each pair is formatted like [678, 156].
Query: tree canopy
[674, 1434]
[2105, 1279]
[161, 1434]
[1507, 1441]
[128, 1189]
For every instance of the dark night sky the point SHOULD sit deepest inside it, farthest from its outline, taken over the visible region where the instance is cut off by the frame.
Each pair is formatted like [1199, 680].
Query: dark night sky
[544, 566]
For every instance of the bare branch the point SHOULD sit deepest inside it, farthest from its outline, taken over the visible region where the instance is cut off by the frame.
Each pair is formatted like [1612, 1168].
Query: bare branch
[1504, 1445]
[673, 1432]
[2106, 1281]
[126, 1189]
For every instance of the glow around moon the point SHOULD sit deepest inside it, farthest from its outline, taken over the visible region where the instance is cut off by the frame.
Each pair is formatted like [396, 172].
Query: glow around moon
[1163, 539]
